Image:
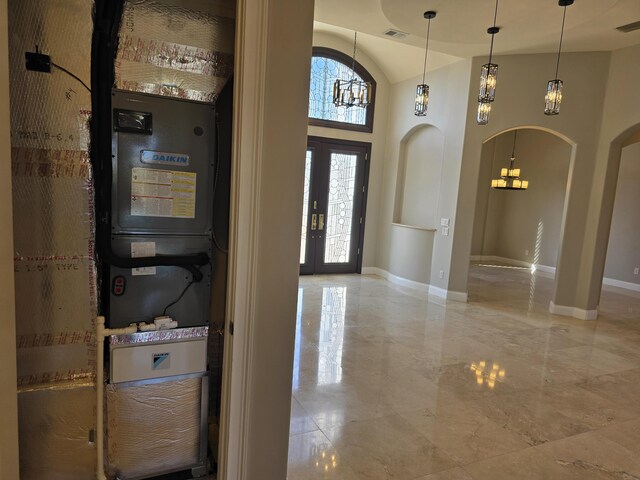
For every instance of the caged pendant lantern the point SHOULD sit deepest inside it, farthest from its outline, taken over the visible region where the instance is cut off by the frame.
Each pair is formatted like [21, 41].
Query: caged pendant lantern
[553, 98]
[422, 90]
[510, 177]
[488, 78]
[352, 92]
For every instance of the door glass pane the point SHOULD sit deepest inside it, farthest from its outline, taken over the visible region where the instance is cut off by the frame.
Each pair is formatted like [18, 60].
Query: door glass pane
[342, 180]
[305, 206]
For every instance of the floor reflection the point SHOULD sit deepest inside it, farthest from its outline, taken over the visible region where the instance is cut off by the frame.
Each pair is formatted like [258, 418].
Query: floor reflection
[334, 307]
[389, 384]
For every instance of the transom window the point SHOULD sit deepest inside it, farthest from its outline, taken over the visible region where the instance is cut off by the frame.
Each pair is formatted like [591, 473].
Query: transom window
[326, 66]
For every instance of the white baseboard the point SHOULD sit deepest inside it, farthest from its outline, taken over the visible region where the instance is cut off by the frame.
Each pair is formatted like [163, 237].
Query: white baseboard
[423, 287]
[620, 284]
[403, 282]
[514, 262]
[447, 294]
[573, 312]
[551, 270]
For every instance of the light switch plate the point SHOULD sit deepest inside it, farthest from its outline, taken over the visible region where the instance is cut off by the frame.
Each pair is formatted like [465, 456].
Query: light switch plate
[444, 222]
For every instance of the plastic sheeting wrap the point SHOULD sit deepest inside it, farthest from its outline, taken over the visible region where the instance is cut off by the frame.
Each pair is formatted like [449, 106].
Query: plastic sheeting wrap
[183, 52]
[153, 428]
[53, 239]
[56, 433]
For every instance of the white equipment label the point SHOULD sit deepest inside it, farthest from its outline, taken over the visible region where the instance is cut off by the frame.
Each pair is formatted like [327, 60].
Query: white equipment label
[163, 193]
[143, 249]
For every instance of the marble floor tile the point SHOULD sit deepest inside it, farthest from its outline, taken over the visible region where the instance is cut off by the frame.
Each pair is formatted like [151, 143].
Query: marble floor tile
[591, 455]
[388, 447]
[626, 434]
[300, 422]
[621, 388]
[391, 383]
[453, 474]
[312, 456]
[463, 432]
[528, 464]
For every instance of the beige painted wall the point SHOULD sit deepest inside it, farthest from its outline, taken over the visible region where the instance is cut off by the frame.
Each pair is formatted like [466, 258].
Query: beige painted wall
[623, 254]
[8, 396]
[279, 189]
[620, 121]
[519, 102]
[447, 110]
[522, 225]
[377, 138]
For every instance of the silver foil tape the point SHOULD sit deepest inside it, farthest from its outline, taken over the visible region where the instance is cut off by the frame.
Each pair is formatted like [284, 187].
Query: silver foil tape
[178, 51]
[159, 336]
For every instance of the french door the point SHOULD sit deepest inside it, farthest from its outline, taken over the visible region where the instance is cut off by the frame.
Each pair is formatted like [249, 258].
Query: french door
[335, 193]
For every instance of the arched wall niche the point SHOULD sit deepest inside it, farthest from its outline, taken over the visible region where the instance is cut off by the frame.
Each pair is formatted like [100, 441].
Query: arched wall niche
[523, 227]
[419, 177]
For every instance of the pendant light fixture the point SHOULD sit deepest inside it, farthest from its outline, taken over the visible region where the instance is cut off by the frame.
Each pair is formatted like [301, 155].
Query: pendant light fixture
[553, 98]
[510, 177]
[352, 92]
[488, 78]
[422, 90]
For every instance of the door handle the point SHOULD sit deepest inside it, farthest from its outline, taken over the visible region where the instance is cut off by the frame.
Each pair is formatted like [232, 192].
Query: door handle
[314, 221]
[321, 222]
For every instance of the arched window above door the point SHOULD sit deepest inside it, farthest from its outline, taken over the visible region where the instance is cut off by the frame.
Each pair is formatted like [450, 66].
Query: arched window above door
[326, 66]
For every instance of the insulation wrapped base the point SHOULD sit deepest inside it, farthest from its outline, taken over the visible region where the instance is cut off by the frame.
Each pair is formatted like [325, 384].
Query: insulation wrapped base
[154, 428]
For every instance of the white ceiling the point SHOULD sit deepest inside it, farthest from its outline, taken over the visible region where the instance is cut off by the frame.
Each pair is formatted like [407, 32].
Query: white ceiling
[459, 29]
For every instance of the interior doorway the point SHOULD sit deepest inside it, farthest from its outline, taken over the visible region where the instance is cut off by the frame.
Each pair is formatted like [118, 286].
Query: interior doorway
[519, 229]
[335, 196]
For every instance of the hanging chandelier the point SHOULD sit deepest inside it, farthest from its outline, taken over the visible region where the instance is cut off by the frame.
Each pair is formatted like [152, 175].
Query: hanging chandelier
[553, 98]
[510, 177]
[488, 78]
[422, 90]
[352, 92]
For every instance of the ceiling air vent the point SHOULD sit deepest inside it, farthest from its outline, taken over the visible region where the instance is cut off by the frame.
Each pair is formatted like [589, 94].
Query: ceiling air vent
[629, 27]
[395, 34]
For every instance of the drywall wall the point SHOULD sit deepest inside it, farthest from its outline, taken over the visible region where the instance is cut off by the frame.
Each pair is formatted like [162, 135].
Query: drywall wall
[419, 173]
[273, 53]
[519, 103]
[419, 241]
[9, 461]
[523, 225]
[620, 122]
[377, 138]
[447, 110]
[623, 254]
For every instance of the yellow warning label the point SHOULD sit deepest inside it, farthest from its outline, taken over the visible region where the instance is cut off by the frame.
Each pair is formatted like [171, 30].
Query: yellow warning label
[163, 193]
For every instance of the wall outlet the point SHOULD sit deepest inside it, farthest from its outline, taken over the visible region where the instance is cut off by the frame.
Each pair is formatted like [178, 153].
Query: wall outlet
[636, 270]
[526, 253]
[441, 275]
[445, 231]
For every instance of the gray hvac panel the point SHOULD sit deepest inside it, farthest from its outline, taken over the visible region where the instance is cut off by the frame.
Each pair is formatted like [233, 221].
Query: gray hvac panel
[146, 296]
[177, 146]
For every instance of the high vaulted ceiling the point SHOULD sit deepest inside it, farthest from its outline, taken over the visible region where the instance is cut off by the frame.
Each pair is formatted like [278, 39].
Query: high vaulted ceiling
[460, 27]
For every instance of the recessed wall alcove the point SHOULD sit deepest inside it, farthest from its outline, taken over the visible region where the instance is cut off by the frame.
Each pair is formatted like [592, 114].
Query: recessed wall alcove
[419, 175]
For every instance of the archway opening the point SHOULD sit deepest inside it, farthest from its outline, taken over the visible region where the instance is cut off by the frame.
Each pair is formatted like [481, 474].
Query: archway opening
[622, 265]
[517, 234]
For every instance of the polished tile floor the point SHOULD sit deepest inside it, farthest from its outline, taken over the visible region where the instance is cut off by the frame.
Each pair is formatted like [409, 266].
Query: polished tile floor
[390, 384]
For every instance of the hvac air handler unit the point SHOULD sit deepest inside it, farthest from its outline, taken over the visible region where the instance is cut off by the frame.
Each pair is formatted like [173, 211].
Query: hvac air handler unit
[156, 153]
